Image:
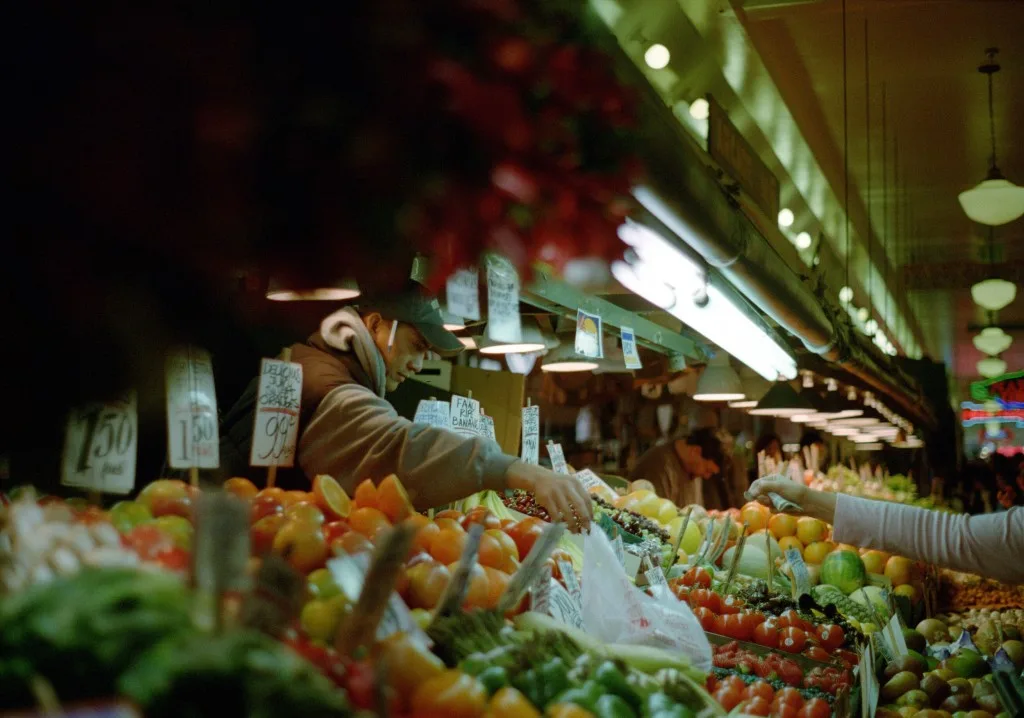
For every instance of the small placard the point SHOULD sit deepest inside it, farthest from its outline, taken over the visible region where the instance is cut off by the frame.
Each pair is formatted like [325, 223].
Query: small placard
[588, 335]
[562, 606]
[503, 323]
[276, 426]
[434, 413]
[629, 349]
[572, 581]
[487, 427]
[529, 570]
[462, 296]
[592, 481]
[101, 445]
[540, 592]
[656, 580]
[558, 464]
[191, 411]
[455, 592]
[531, 435]
[465, 415]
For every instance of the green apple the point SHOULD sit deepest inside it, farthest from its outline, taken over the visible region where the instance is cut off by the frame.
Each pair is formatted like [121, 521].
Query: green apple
[177, 528]
[126, 515]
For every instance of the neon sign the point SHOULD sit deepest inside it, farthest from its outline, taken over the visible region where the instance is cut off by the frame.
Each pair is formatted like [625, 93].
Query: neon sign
[1007, 389]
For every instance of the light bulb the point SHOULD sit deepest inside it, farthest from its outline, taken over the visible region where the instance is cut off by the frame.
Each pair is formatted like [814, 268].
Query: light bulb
[786, 217]
[700, 109]
[863, 314]
[845, 294]
[803, 240]
[870, 327]
[657, 57]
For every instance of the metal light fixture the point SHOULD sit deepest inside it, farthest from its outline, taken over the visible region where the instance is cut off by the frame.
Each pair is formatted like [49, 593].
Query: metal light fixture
[992, 341]
[451, 322]
[531, 340]
[754, 387]
[719, 381]
[279, 290]
[565, 359]
[995, 200]
[782, 401]
[991, 367]
[993, 294]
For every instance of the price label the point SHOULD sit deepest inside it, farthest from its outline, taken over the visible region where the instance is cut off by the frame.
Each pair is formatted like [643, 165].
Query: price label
[503, 323]
[455, 592]
[540, 592]
[465, 416]
[588, 335]
[562, 606]
[572, 581]
[531, 435]
[801, 579]
[434, 413]
[629, 349]
[462, 296]
[191, 411]
[558, 464]
[487, 427]
[220, 553]
[100, 446]
[620, 551]
[591, 481]
[276, 427]
[656, 580]
[530, 569]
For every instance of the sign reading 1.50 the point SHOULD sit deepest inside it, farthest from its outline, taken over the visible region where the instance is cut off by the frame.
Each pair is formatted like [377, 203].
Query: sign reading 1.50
[100, 446]
[107, 431]
[197, 430]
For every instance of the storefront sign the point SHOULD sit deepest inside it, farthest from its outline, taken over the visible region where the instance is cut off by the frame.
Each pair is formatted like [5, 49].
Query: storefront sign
[531, 435]
[463, 294]
[972, 416]
[588, 335]
[1008, 390]
[276, 428]
[192, 439]
[734, 154]
[629, 350]
[100, 446]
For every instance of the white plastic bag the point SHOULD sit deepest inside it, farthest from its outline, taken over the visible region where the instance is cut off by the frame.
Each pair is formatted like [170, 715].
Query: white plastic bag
[615, 611]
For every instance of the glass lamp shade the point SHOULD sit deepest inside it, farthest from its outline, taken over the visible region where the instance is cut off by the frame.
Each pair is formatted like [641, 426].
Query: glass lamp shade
[994, 201]
[993, 294]
[992, 341]
[783, 401]
[719, 381]
[990, 367]
[565, 359]
[531, 340]
[279, 290]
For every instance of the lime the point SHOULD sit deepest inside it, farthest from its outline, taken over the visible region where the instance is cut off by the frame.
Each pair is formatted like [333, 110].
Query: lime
[319, 620]
[321, 584]
[968, 664]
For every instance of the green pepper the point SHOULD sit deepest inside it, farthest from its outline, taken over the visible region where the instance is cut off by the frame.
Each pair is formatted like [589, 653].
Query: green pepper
[658, 702]
[554, 679]
[493, 679]
[609, 676]
[529, 684]
[611, 706]
[474, 664]
[585, 696]
[676, 711]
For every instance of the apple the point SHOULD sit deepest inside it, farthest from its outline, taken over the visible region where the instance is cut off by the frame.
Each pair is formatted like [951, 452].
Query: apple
[177, 528]
[263, 532]
[265, 505]
[302, 545]
[305, 511]
[167, 497]
[335, 530]
[126, 515]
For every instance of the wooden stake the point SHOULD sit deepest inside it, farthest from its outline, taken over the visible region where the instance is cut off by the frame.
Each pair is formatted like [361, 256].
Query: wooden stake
[193, 476]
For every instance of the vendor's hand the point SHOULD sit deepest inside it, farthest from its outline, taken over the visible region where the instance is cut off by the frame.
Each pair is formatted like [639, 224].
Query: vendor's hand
[819, 504]
[563, 497]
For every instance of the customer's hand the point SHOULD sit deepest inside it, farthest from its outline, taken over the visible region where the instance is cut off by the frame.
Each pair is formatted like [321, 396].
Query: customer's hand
[562, 496]
[819, 504]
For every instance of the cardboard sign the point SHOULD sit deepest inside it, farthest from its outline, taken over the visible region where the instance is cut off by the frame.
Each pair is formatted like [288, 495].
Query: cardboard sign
[487, 428]
[192, 439]
[558, 464]
[275, 430]
[588, 335]
[590, 481]
[276, 599]
[530, 453]
[801, 579]
[503, 323]
[434, 413]
[101, 445]
[630, 353]
[562, 606]
[462, 297]
[465, 416]
[529, 570]
[620, 551]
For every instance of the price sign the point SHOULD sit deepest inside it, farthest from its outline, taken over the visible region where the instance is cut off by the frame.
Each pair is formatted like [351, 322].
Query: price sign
[540, 593]
[192, 439]
[531, 435]
[572, 581]
[530, 569]
[562, 606]
[558, 464]
[620, 550]
[503, 324]
[629, 350]
[801, 579]
[588, 335]
[276, 428]
[465, 415]
[591, 481]
[100, 446]
[462, 296]
[487, 427]
[434, 413]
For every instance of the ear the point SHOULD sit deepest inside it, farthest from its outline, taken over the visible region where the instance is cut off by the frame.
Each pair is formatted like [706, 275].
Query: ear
[373, 321]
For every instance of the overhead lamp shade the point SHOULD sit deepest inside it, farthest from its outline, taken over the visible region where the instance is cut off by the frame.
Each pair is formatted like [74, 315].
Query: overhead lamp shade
[867, 417]
[994, 201]
[843, 430]
[279, 290]
[872, 446]
[781, 400]
[992, 341]
[754, 385]
[743, 404]
[993, 294]
[451, 322]
[719, 381]
[565, 359]
[990, 367]
[836, 407]
[863, 438]
[531, 340]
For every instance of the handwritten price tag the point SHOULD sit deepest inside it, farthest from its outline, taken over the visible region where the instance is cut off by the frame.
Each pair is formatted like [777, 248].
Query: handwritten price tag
[801, 579]
[192, 438]
[463, 294]
[465, 415]
[531, 435]
[503, 323]
[558, 464]
[487, 427]
[591, 481]
[100, 446]
[434, 413]
[276, 428]
[629, 350]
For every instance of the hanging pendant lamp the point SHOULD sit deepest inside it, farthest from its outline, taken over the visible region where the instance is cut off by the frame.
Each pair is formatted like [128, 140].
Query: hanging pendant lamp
[995, 200]
[992, 341]
[782, 401]
[993, 293]
[991, 367]
[719, 381]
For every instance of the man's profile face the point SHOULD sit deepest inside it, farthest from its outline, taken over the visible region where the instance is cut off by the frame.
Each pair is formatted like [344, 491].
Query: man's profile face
[406, 354]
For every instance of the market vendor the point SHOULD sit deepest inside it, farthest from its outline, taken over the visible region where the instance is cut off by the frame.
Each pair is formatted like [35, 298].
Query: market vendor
[350, 432]
[687, 470]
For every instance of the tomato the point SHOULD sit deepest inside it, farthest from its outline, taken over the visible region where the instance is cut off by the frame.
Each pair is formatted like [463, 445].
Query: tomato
[735, 682]
[784, 668]
[525, 534]
[750, 621]
[451, 694]
[816, 708]
[732, 604]
[707, 598]
[697, 576]
[847, 656]
[682, 592]
[761, 689]
[789, 696]
[818, 654]
[783, 710]
[767, 634]
[480, 515]
[792, 640]
[831, 636]
[734, 626]
[706, 617]
[757, 707]
[728, 697]
[173, 558]
[792, 618]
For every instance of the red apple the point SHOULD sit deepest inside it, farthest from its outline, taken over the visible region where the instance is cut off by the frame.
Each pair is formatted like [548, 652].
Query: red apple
[335, 530]
[263, 506]
[167, 497]
[264, 531]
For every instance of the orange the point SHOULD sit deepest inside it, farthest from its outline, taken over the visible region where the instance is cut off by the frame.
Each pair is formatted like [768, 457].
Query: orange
[330, 497]
[816, 552]
[304, 511]
[479, 587]
[782, 525]
[491, 552]
[448, 514]
[427, 581]
[366, 495]
[497, 581]
[788, 542]
[421, 541]
[242, 488]
[755, 515]
[274, 491]
[293, 497]
[447, 545]
[448, 523]
[506, 541]
[874, 561]
[352, 543]
[417, 521]
[369, 522]
[809, 530]
[393, 500]
[899, 570]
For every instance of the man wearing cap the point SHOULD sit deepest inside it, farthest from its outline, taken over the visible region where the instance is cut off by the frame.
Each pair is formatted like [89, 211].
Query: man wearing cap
[349, 431]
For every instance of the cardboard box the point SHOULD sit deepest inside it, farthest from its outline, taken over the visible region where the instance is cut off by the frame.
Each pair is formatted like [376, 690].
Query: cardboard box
[500, 394]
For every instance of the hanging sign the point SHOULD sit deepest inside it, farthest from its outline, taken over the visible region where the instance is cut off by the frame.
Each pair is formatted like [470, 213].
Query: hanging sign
[588, 335]
[276, 428]
[434, 413]
[101, 445]
[558, 464]
[465, 415]
[503, 324]
[531, 435]
[487, 427]
[192, 439]
[563, 607]
[629, 351]
[1007, 389]
[462, 297]
[801, 578]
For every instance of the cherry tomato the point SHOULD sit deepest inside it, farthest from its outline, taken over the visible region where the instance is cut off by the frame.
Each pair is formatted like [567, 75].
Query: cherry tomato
[757, 707]
[728, 697]
[706, 617]
[792, 640]
[831, 636]
[740, 627]
[847, 656]
[788, 696]
[732, 604]
[761, 689]
[818, 654]
[767, 634]
[816, 708]
[707, 598]
[682, 592]
[697, 576]
[792, 618]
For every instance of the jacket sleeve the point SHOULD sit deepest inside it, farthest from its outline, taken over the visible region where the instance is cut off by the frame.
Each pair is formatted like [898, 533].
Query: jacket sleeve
[989, 544]
[355, 435]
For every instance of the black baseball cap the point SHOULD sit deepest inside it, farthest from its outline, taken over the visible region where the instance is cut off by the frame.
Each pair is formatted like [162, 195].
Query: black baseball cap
[422, 312]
